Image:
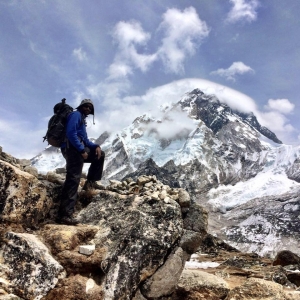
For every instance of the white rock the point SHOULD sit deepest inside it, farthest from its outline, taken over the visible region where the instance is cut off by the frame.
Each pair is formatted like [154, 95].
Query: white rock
[87, 249]
[89, 284]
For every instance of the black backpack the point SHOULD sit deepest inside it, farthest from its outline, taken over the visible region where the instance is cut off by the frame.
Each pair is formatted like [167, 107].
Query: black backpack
[56, 133]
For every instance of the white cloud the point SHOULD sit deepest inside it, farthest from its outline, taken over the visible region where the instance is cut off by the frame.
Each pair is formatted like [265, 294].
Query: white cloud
[183, 33]
[129, 35]
[281, 105]
[177, 123]
[243, 10]
[237, 68]
[276, 122]
[80, 54]
[118, 111]
[182, 30]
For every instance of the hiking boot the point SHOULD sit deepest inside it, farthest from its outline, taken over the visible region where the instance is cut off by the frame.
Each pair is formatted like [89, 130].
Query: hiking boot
[66, 220]
[97, 186]
[89, 185]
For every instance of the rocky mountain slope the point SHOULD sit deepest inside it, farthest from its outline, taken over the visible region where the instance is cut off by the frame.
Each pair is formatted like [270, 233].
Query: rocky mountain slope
[137, 240]
[230, 164]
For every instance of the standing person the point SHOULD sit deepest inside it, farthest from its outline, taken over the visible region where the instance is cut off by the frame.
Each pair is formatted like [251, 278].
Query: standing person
[77, 150]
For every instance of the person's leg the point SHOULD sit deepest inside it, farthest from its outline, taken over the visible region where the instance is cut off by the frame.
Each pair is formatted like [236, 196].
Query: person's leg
[74, 166]
[95, 170]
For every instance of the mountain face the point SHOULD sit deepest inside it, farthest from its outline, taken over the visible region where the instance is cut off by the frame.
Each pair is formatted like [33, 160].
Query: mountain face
[230, 164]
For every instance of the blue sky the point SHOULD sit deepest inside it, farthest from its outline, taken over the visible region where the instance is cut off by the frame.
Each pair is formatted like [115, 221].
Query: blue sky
[131, 56]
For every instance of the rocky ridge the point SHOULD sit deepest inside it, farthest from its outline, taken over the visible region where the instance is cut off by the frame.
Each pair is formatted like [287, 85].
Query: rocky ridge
[137, 239]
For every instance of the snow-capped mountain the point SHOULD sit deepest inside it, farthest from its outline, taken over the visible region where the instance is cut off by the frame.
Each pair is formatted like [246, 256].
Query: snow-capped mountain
[228, 162]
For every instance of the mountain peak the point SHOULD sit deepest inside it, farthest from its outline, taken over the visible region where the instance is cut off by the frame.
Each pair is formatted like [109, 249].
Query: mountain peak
[215, 114]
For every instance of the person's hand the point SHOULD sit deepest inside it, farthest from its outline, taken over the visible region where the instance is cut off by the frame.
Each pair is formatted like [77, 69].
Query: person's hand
[84, 155]
[98, 152]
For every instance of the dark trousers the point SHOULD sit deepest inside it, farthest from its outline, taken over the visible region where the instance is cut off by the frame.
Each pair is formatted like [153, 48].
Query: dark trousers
[74, 167]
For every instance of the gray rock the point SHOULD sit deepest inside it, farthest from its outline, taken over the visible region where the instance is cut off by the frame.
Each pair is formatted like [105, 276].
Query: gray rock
[196, 219]
[202, 282]
[184, 198]
[31, 170]
[190, 241]
[30, 270]
[137, 232]
[165, 279]
[24, 162]
[24, 199]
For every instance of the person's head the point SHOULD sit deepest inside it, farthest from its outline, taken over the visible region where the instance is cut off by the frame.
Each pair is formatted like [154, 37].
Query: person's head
[86, 107]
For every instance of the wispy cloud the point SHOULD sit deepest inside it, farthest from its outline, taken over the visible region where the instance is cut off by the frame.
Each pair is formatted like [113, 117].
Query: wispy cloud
[183, 30]
[281, 105]
[243, 10]
[79, 54]
[237, 68]
[34, 48]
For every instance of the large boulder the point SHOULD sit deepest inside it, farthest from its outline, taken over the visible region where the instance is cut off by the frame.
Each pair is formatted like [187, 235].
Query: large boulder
[138, 231]
[23, 198]
[285, 258]
[27, 268]
[195, 283]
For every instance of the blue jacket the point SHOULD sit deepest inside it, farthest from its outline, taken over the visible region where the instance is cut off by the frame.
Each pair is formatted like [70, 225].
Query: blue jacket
[76, 132]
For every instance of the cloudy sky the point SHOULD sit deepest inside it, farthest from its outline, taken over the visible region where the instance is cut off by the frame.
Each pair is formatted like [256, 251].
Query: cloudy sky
[131, 56]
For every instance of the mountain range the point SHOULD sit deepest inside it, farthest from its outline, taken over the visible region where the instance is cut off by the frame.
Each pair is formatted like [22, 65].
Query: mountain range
[246, 178]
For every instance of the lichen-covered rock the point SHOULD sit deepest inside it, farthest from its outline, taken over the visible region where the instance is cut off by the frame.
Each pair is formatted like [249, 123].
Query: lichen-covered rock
[23, 198]
[138, 233]
[28, 269]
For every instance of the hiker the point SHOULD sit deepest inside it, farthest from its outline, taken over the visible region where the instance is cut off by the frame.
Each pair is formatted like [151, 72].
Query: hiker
[77, 150]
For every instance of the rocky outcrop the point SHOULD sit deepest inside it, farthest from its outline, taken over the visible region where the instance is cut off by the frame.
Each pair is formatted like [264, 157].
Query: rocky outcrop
[131, 234]
[138, 239]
